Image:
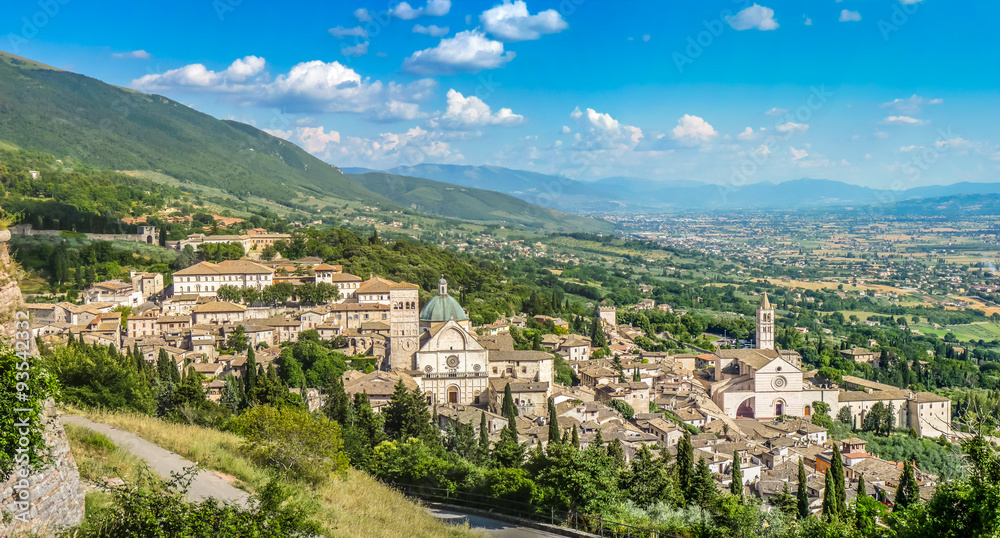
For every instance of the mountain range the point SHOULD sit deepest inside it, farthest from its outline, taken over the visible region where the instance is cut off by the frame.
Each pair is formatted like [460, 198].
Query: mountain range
[71, 115]
[637, 194]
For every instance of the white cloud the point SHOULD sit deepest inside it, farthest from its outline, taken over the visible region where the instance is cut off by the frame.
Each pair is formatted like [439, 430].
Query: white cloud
[910, 1]
[355, 50]
[340, 32]
[197, 76]
[467, 52]
[386, 150]
[906, 149]
[435, 8]
[793, 128]
[602, 132]
[749, 134]
[692, 130]
[881, 134]
[135, 54]
[754, 17]
[808, 22]
[362, 15]
[645, 37]
[566, 129]
[432, 30]
[284, 135]
[904, 120]
[798, 153]
[468, 112]
[849, 16]
[314, 86]
[761, 150]
[912, 104]
[511, 22]
[776, 111]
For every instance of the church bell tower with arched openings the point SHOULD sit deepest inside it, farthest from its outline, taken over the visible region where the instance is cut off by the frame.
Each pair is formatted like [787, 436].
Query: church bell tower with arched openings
[765, 324]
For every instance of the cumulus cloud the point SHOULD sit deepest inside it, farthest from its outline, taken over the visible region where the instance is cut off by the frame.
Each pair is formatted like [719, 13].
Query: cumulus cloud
[467, 52]
[362, 15]
[849, 16]
[692, 130]
[798, 153]
[135, 54]
[435, 8]
[511, 22]
[433, 31]
[468, 112]
[792, 128]
[340, 32]
[912, 104]
[904, 120]
[314, 86]
[749, 134]
[566, 129]
[386, 150]
[599, 131]
[197, 76]
[754, 17]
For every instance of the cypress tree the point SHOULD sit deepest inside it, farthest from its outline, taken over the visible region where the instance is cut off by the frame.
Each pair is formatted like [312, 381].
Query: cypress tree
[830, 511]
[837, 469]
[598, 440]
[575, 440]
[553, 422]
[908, 492]
[736, 487]
[803, 493]
[338, 403]
[484, 434]
[685, 465]
[507, 409]
[861, 488]
[703, 485]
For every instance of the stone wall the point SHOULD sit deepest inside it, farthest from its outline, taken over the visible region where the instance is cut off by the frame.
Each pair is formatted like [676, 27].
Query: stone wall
[54, 493]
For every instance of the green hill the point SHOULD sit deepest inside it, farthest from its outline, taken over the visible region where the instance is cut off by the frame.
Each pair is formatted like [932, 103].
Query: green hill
[466, 203]
[104, 126]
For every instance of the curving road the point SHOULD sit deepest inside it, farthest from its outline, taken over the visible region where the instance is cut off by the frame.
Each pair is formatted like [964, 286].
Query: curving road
[206, 484]
[492, 527]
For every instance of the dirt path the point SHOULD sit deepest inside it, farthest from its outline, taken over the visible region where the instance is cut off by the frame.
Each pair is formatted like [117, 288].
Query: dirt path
[206, 484]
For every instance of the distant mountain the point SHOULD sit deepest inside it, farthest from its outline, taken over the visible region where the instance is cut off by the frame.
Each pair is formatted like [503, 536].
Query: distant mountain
[468, 203]
[637, 194]
[104, 126]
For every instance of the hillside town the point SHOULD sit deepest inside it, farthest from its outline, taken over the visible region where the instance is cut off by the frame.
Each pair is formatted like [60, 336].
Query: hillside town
[752, 403]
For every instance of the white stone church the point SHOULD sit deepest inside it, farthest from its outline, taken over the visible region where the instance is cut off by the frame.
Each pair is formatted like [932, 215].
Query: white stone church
[765, 383]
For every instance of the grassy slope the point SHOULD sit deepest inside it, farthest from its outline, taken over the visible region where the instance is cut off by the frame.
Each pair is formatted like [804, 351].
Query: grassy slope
[72, 115]
[355, 505]
[109, 127]
[472, 204]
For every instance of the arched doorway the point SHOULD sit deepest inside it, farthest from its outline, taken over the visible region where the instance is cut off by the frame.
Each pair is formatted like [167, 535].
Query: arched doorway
[779, 408]
[453, 394]
[745, 410]
[807, 410]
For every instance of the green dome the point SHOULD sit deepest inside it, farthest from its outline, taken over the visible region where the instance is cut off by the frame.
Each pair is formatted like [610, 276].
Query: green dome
[442, 308]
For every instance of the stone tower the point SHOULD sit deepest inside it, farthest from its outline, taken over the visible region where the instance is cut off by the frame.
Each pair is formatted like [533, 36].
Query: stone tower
[765, 324]
[404, 325]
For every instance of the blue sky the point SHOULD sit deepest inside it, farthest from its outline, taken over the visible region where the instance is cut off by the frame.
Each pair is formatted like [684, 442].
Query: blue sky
[885, 93]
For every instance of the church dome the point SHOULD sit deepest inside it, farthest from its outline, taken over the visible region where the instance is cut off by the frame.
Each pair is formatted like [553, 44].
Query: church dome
[442, 307]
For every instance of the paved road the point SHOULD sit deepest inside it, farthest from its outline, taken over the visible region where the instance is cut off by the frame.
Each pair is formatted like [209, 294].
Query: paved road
[206, 484]
[492, 527]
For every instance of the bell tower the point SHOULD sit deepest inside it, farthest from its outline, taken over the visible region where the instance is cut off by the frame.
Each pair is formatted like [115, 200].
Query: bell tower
[404, 325]
[765, 324]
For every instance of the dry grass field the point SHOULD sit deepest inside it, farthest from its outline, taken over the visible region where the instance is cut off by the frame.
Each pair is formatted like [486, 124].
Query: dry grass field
[352, 505]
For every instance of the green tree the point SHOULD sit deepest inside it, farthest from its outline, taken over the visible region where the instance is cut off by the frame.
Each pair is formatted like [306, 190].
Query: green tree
[685, 466]
[646, 480]
[907, 492]
[407, 416]
[338, 404]
[736, 487]
[553, 422]
[803, 493]
[703, 490]
[293, 441]
[837, 470]
[830, 512]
